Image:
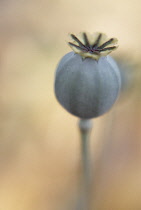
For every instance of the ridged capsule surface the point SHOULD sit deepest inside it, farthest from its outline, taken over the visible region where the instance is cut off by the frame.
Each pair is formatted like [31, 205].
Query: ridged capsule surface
[87, 88]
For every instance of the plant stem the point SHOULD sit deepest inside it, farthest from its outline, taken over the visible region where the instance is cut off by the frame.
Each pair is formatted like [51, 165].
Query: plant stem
[85, 126]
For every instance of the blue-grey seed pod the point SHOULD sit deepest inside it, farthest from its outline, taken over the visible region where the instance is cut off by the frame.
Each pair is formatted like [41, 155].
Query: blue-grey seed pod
[88, 87]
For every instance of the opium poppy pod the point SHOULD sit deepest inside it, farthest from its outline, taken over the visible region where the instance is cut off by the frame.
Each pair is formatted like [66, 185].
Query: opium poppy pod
[88, 81]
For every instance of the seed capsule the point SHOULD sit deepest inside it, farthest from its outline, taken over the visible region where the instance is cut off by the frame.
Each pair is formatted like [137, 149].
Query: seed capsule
[85, 86]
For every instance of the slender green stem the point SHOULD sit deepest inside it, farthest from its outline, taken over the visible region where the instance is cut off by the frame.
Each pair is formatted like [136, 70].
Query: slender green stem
[85, 126]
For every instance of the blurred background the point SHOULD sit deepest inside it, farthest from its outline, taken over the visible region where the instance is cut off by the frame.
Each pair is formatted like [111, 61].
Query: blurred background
[39, 140]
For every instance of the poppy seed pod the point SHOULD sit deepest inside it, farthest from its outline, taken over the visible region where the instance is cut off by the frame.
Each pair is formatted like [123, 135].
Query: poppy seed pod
[87, 81]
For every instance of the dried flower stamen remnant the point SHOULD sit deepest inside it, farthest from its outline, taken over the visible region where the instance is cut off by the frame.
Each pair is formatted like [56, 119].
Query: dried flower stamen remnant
[93, 46]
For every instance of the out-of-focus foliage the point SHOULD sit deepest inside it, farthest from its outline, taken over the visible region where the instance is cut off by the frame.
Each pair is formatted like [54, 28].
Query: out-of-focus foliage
[39, 141]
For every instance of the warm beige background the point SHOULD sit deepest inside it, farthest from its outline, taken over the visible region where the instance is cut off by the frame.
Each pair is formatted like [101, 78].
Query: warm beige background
[39, 140]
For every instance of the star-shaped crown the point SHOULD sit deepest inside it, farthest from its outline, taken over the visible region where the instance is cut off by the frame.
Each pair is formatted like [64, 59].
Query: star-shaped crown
[92, 46]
